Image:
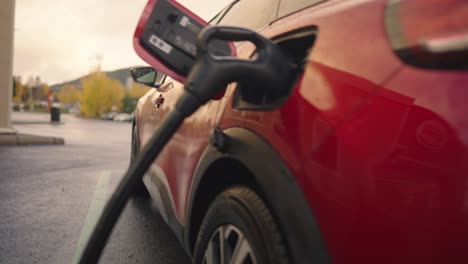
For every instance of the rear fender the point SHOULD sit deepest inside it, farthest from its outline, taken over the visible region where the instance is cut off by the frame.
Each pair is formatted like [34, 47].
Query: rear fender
[277, 186]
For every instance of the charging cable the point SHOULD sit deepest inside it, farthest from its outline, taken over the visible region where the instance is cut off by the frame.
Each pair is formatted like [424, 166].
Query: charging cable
[210, 74]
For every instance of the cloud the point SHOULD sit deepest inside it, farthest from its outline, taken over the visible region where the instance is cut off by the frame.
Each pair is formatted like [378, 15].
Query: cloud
[57, 39]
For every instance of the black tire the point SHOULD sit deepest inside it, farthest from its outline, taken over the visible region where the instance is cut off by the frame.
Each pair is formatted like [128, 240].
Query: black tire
[140, 189]
[240, 209]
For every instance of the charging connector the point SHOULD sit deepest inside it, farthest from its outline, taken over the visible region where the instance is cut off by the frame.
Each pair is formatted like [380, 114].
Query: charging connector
[210, 74]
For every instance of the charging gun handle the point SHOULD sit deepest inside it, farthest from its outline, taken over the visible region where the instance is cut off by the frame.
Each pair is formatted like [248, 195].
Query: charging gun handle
[208, 76]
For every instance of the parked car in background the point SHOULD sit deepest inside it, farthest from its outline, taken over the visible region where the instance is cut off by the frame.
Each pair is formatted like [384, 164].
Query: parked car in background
[109, 115]
[123, 117]
[363, 160]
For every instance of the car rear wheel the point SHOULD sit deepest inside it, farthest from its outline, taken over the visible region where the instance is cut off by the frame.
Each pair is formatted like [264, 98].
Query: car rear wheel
[140, 189]
[238, 228]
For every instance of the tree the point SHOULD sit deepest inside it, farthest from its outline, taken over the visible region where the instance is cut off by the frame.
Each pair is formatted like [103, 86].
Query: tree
[131, 98]
[69, 94]
[138, 90]
[44, 91]
[128, 103]
[19, 91]
[41, 91]
[100, 94]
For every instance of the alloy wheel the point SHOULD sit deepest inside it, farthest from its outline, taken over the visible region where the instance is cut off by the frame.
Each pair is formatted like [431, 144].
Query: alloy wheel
[228, 245]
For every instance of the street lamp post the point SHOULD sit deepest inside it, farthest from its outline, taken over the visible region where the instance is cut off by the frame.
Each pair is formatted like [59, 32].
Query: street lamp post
[32, 84]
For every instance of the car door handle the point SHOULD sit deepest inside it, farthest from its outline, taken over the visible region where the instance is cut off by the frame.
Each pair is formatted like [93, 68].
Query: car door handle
[166, 87]
[159, 101]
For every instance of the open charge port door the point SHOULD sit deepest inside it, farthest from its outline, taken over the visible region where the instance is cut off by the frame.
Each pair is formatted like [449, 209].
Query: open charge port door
[166, 38]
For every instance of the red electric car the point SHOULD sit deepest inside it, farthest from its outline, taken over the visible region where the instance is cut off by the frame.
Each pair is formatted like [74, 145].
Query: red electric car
[363, 160]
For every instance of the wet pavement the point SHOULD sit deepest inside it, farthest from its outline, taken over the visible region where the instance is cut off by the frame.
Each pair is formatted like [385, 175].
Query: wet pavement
[50, 194]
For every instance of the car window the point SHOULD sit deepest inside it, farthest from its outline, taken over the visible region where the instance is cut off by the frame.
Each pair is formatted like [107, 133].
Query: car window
[220, 14]
[251, 14]
[290, 6]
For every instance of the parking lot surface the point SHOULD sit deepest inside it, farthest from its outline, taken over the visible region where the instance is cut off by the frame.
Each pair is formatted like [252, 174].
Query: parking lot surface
[52, 194]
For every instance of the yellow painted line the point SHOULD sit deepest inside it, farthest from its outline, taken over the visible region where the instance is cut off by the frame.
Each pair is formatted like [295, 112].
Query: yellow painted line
[94, 212]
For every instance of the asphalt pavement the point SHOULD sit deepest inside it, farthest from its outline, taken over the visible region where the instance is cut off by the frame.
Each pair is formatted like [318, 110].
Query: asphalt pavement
[51, 195]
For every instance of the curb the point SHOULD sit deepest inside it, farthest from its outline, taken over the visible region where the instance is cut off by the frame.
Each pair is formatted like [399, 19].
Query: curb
[19, 122]
[24, 139]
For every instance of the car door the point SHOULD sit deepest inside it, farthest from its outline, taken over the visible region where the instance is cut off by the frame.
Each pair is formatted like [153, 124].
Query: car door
[188, 143]
[160, 103]
[178, 159]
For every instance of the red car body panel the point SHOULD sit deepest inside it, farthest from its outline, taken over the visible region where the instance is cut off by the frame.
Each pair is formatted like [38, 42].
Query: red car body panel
[378, 147]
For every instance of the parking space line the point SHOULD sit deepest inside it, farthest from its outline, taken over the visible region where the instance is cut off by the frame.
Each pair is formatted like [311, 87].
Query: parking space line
[94, 212]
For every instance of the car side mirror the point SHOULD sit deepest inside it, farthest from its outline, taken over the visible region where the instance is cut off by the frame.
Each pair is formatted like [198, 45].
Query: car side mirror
[166, 36]
[147, 76]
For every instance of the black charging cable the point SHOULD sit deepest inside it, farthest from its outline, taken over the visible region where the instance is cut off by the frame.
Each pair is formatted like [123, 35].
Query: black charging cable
[187, 105]
[209, 75]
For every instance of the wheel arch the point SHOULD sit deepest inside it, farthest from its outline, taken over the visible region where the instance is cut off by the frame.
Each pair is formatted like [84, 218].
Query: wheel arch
[221, 174]
[249, 160]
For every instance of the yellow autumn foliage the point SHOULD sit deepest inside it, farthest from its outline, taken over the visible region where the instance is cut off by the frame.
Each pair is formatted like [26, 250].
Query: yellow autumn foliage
[100, 94]
[138, 90]
[19, 91]
[44, 91]
[69, 94]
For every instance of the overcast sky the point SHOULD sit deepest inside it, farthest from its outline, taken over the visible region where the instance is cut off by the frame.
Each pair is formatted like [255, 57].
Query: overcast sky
[60, 40]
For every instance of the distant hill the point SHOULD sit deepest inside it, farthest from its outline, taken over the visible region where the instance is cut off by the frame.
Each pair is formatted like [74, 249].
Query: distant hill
[121, 75]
